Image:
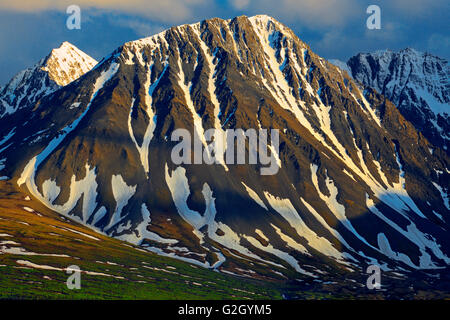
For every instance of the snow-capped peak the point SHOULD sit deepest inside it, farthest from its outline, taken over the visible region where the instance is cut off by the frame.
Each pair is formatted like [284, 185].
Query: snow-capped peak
[62, 66]
[263, 18]
[67, 63]
[416, 82]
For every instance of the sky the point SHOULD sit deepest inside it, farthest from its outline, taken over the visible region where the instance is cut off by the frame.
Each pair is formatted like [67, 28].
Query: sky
[335, 29]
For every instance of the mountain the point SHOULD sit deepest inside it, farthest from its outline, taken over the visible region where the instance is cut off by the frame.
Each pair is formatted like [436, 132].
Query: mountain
[59, 68]
[356, 183]
[417, 83]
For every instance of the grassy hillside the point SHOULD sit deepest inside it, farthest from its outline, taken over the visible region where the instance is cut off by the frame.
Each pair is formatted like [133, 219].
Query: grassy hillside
[34, 241]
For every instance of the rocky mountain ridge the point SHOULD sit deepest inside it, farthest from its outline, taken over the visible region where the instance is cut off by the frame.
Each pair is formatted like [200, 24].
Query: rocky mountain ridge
[417, 83]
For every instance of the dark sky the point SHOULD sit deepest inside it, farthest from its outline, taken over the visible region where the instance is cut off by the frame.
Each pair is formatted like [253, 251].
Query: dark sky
[333, 28]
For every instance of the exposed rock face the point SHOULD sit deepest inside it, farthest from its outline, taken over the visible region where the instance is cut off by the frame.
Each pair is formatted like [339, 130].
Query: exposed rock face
[62, 66]
[357, 183]
[417, 83]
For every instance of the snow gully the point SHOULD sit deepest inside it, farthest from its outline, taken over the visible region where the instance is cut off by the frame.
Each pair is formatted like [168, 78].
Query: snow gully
[230, 145]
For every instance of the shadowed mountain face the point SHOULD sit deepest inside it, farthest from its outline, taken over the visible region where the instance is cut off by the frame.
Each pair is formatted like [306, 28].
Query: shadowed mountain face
[357, 184]
[417, 83]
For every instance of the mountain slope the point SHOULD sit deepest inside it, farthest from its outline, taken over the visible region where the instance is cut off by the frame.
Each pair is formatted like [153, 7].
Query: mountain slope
[62, 66]
[417, 83]
[38, 245]
[357, 184]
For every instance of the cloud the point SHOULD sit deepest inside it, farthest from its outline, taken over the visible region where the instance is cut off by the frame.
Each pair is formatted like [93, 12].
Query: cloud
[240, 4]
[390, 31]
[319, 14]
[438, 43]
[171, 11]
[416, 8]
[313, 12]
[141, 28]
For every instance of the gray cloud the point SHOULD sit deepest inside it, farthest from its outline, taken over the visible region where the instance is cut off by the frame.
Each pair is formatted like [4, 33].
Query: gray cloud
[160, 10]
[240, 4]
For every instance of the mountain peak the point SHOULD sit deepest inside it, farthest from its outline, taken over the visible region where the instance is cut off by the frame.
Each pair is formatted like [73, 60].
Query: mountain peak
[67, 63]
[416, 82]
[66, 44]
[59, 68]
[263, 18]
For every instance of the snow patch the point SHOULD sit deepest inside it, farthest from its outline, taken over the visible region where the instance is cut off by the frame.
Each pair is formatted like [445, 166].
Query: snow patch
[122, 193]
[254, 196]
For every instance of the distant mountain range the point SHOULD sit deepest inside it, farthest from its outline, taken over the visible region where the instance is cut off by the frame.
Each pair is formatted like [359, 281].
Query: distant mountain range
[363, 173]
[417, 83]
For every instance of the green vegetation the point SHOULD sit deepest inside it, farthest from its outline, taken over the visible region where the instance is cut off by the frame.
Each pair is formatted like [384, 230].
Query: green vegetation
[130, 272]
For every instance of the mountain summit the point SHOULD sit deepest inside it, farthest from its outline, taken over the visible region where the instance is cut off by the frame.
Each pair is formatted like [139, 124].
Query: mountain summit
[67, 63]
[357, 184]
[416, 82]
[59, 68]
